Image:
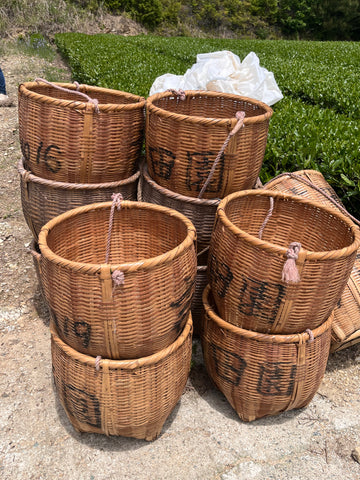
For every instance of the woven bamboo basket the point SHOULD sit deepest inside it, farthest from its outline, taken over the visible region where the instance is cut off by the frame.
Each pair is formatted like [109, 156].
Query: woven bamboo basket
[201, 212]
[68, 138]
[246, 272]
[261, 374]
[130, 398]
[44, 199]
[131, 303]
[184, 138]
[346, 324]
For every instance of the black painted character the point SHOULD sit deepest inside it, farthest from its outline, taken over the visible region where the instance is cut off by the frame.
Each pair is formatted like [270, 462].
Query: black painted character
[162, 161]
[198, 169]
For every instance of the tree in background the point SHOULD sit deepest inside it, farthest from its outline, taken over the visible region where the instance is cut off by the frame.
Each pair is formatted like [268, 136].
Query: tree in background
[326, 20]
[336, 20]
[294, 16]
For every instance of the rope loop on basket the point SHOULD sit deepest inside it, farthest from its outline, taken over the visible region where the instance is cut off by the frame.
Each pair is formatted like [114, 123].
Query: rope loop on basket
[270, 211]
[117, 199]
[97, 362]
[290, 272]
[179, 93]
[240, 116]
[94, 101]
[311, 335]
[117, 276]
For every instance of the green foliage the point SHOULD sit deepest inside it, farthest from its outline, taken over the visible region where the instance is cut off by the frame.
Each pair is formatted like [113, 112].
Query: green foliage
[171, 11]
[266, 9]
[293, 16]
[315, 126]
[217, 14]
[146, 12]
[340, 20]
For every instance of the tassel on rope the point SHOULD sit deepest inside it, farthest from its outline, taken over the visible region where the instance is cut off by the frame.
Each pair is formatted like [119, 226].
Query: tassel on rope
[118, 278]
[290, 272]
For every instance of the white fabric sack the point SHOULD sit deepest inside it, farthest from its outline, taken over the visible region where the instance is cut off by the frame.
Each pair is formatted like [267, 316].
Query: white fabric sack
[224, 72]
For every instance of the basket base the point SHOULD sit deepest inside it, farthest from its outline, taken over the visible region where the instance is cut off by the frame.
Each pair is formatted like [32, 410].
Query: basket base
[148, 432]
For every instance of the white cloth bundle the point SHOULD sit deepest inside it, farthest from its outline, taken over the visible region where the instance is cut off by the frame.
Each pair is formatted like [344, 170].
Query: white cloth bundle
[224, 72]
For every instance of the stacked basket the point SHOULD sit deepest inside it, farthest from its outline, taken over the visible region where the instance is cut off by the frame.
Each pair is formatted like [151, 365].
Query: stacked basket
[201, 146]
[311, 184]
[119, 285]
[118, 276]
[278, 265]
[79, 144]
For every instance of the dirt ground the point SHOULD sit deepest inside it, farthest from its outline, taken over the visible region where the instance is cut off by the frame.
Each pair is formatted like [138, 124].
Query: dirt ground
[202, 439]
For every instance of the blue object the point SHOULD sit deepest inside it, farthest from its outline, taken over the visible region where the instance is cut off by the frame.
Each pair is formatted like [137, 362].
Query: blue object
[2, 83]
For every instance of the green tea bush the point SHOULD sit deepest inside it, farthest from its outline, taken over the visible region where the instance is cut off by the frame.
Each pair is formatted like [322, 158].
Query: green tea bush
[315, 126]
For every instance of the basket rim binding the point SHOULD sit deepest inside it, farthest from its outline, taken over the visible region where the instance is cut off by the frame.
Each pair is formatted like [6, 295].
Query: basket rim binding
[225, 122]
[28, 176]
[276, 249]
[91, 268]
[275, 180]
[261, 337]
[177, 196]
[127, 364]
[25, 89]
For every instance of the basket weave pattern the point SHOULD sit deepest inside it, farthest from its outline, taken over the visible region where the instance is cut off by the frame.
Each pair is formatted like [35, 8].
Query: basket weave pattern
[261, 374]
[131, 398]
[44, 199]
[183, 138]
[154, 249]
[201, 212]
[66, 139]
[246, 272]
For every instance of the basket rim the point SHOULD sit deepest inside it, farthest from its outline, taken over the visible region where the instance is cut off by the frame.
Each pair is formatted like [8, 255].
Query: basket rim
[302, 337]
[277, 249]
[127, 364]
[138, 101]
[274, 181]
[92, 268]
[177, 196]
[222, 122]
[28, 176]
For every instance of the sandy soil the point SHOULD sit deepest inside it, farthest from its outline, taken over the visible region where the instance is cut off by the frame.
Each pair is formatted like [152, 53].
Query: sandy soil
[202, 439]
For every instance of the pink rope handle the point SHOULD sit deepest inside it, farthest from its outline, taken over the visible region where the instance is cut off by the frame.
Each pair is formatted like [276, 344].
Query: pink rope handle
[318, 189]
[179, 93]
[311, 335]
[270, 211]
[95, 101]
[290, 272]
[97, 362]
[117, 276]
[117, 199]
[240, 122]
